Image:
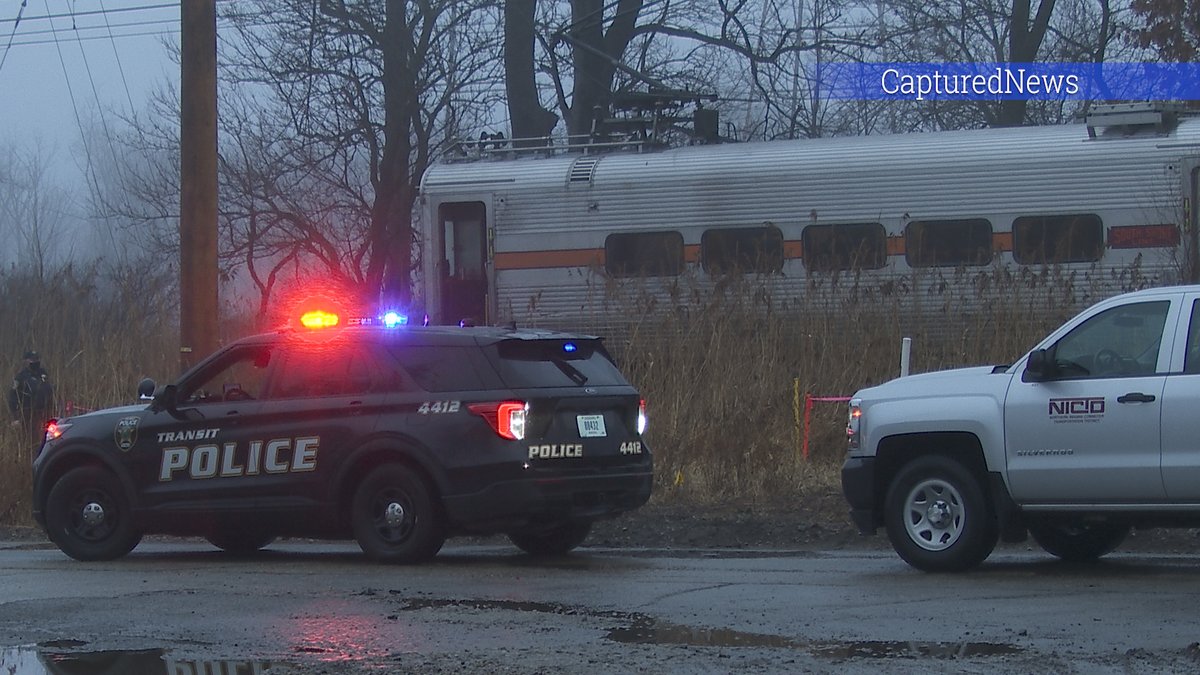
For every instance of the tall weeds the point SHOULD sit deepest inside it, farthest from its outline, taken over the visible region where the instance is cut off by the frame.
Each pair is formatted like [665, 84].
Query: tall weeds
[719, 363]
[98, 332]
[725, 366]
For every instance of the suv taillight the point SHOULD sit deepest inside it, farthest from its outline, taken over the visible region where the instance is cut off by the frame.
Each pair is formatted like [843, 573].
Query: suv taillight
[507, 418]
[642, 420]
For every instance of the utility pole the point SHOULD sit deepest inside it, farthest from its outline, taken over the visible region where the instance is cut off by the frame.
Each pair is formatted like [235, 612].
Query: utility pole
[198, 182]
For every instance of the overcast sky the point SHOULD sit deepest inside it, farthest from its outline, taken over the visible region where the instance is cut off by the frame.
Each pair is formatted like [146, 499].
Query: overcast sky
[69, 58]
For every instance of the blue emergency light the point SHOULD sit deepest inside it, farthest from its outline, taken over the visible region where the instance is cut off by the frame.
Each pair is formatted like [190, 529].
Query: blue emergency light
[392, 318]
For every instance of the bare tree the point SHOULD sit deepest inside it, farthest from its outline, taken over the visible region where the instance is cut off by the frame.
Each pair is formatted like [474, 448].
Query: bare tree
[334, 111]
[33, 212]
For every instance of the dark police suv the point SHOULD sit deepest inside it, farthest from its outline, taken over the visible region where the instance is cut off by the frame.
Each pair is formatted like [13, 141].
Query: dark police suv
[397, 436]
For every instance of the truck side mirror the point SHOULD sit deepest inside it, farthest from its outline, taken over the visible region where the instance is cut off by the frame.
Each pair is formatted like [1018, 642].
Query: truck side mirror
[1039, 367]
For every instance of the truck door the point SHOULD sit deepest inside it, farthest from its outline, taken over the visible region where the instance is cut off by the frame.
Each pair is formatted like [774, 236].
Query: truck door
[1181, 411]
[463, 262]
[1091, 432]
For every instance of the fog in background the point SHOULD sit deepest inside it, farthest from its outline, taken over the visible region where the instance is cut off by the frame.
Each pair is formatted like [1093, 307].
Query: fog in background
[71, 76]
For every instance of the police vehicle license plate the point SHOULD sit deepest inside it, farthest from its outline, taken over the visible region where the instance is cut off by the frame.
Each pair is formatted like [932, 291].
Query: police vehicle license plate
[591, 426]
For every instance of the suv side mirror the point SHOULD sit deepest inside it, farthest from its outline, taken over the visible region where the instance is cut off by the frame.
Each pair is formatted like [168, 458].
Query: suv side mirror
[1039, 367]
[164, 399]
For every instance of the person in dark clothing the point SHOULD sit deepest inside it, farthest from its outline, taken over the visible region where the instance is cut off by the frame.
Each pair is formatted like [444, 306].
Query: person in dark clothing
[31, 398]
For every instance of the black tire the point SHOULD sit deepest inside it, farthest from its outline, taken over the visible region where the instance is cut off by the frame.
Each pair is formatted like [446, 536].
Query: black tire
[395, 518]
[88, 515]
[937, 516]
[558, 540]
[1078, 541]
[237, 541]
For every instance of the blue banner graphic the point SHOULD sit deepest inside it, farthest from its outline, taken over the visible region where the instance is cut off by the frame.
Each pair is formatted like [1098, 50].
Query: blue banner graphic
[1009, 81]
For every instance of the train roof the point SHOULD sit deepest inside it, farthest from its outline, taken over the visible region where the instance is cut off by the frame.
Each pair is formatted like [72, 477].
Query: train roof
[950, 151]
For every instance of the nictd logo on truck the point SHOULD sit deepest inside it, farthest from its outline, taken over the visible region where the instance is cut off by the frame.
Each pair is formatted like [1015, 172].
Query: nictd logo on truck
[1076, 410]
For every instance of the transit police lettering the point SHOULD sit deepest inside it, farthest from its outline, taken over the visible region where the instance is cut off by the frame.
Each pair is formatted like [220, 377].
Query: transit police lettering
[189, 435]
[282, 455]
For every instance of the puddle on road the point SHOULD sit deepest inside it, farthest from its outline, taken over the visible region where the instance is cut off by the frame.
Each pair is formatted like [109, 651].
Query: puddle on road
[52, 658]
[645, 630]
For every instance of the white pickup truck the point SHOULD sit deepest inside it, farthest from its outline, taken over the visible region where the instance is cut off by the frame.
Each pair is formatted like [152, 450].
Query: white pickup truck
[1093, 432]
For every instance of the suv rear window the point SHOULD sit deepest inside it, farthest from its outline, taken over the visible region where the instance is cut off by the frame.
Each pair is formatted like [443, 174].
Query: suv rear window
[525, 364]
[444, 368]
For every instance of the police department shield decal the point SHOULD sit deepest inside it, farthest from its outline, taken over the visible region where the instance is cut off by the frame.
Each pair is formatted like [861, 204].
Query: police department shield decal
[126, 433]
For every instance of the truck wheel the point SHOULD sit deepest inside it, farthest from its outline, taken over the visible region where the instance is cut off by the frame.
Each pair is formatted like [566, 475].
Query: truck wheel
[557, 540]
[395, 518]
[1078, 541]
[237, 541]
[937, 517]
[88, 515]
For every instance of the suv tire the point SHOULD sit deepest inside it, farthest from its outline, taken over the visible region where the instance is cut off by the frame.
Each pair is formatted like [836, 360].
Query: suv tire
[1078, 541]
[558, 540]
[937, 517]
[88, 515]
[394, 517]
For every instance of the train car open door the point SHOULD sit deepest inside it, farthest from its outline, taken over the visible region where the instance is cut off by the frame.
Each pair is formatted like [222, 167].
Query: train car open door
[463, 263]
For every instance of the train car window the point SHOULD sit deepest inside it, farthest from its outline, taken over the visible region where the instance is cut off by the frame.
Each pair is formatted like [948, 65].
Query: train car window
[644, 254]
[1039, 240]
[856, 246]
[939, 243]
[742, 250]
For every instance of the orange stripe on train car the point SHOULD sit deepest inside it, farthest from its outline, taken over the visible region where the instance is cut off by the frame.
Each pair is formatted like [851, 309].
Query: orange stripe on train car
[1002, 242]
[528, 260]
[793, 249]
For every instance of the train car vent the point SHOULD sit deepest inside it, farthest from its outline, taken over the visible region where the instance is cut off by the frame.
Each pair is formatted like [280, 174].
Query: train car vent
[1129, 117]
[583, 170]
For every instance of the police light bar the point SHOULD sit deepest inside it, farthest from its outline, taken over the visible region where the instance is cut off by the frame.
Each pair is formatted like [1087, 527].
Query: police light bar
[317, 319]
[389, 319]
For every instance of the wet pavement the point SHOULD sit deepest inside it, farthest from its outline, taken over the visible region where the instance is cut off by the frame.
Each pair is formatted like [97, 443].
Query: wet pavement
[182, 608]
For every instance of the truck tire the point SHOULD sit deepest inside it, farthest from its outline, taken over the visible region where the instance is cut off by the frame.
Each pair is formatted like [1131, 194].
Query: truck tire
[88, 515]
[395, 518]
[1078, 541]
[937, 516]
[558, 540]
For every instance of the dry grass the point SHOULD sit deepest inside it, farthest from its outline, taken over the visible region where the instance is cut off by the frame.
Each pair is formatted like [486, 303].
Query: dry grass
[98, 334]
[721, 370]
[718, 364]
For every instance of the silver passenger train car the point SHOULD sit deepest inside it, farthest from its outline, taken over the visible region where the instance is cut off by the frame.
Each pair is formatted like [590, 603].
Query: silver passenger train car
[544, 237]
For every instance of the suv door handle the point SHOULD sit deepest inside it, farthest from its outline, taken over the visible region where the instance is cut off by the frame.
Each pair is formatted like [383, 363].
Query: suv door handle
[1136, 397]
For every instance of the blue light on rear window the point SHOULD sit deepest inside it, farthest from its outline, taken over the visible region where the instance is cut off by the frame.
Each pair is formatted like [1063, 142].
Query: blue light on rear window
[569, 347]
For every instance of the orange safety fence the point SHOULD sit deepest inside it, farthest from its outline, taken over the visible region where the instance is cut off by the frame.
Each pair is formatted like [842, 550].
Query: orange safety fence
[72, 408]
[809, 400]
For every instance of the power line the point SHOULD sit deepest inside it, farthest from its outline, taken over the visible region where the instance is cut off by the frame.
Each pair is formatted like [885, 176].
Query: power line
[86, 38]
[16, 23]
[87, 152]
[128, 24]
[71, 15]
[117, 56]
